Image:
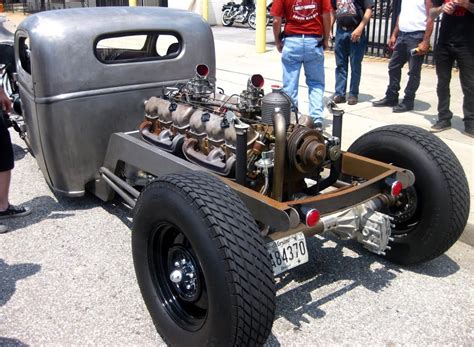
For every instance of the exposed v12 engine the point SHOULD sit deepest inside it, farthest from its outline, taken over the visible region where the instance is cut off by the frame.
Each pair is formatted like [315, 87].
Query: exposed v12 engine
[252, 137]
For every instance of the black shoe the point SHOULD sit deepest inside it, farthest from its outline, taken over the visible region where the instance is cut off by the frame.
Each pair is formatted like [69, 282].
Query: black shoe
[440, 126]
[4, 229]
[14, 211]
[403, 107]
[385, 102]
[469, 131]
[338, 99]
[353, 100]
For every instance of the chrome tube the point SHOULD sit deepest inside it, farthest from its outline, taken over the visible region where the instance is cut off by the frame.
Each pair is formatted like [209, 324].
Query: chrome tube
[279, 125]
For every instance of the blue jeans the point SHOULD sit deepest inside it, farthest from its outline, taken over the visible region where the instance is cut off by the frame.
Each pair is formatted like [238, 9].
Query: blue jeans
[307, 51]
[347, 51]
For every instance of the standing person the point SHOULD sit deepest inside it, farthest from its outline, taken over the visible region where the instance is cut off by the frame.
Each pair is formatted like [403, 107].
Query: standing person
[351, 17]
[306, 35]
[455, 43]
[6, 165]
[412, 32]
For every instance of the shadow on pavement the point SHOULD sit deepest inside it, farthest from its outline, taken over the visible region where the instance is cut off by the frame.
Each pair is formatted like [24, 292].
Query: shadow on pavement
[10, 274]
[271, 341]
[119, 209]
[19, 152]
[45, 207]
[421, 106]
[331, 261]
[456, 122]
[9, 342]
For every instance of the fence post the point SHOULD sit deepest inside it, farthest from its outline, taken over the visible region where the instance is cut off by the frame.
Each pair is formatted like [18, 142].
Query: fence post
[396, 8]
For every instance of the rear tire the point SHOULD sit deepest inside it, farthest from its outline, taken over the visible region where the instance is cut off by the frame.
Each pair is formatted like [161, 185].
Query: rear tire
[435, 210]
[252, 23]
[223, 293]
[226, 18]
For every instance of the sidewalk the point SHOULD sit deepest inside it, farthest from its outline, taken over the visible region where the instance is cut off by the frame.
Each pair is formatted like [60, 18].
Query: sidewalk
[236, 60]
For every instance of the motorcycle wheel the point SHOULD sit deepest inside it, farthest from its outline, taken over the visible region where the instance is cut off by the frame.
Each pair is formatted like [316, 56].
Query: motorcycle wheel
[226, 18]
[252, 22]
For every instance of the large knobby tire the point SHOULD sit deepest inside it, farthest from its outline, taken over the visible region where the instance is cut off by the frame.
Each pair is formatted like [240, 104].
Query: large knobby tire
[195, 224]
[226, 18]
[433, 213]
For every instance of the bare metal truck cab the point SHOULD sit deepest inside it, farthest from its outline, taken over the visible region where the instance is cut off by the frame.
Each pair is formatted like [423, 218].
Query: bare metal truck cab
[78, 85]
[225, 189]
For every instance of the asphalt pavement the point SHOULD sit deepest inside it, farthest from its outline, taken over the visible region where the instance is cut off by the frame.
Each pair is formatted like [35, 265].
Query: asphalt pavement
[67, 278]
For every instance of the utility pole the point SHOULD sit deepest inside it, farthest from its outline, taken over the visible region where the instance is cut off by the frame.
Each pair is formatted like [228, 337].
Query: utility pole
[205, 9]
[261, 32]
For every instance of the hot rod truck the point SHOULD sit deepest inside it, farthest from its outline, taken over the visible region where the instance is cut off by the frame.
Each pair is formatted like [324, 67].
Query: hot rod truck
[225, 189]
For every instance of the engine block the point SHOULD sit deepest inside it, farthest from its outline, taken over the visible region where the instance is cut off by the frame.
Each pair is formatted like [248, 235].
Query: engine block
[191, 120]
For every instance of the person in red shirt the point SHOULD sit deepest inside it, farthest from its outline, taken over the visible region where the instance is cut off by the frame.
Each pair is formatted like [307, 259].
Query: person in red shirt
[302, 43]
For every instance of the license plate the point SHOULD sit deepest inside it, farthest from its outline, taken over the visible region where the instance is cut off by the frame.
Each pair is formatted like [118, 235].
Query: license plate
[288, 252]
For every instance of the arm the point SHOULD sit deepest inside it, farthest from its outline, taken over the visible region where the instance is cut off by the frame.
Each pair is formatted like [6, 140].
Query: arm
[357, 33]
[327, 29]
[424, 45]
[276, 33]
[393, 37]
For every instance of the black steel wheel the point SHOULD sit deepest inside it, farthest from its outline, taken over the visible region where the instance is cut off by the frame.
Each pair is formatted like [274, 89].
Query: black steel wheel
[430, 216]
[179, 278]
[201, 263]
[226, 18]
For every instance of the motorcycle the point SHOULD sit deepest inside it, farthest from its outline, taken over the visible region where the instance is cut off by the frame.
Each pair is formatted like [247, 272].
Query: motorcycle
[252, 21]
[238, 13]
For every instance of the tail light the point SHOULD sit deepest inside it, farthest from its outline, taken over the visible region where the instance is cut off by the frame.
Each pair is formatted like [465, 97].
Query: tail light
[312, 217]
[396, 188]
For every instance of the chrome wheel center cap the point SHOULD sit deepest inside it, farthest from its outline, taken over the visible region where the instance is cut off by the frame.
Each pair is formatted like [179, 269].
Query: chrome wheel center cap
[176, 276]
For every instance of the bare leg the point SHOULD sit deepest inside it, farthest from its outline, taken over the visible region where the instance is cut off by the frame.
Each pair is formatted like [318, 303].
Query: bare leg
[5, 177]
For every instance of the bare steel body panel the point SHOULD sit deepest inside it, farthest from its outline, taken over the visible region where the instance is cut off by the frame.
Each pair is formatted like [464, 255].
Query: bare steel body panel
[73, 101]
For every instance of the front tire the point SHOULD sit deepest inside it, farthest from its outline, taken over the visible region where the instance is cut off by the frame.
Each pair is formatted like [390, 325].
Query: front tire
[434, 212]
[201, 263]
